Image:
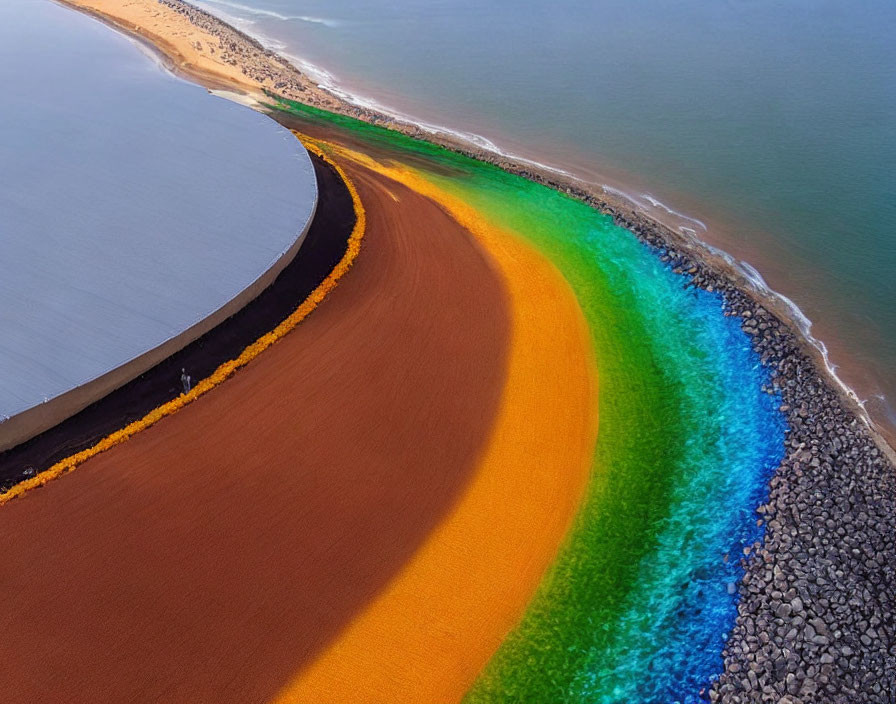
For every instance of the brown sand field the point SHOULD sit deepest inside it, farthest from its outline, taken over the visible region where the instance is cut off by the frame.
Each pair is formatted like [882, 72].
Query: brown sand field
[219, 552]
[427, 636]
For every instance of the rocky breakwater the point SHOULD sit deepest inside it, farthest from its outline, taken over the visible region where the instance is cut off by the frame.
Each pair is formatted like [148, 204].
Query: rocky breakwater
[817, 611]
[816, 616]
[272, 73]
[258, 64]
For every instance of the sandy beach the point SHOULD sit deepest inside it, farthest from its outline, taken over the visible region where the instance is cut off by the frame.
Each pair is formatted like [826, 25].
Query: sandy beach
[213, 55]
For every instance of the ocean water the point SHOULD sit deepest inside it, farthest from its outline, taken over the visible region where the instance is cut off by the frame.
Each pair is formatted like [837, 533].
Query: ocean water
[767, 126]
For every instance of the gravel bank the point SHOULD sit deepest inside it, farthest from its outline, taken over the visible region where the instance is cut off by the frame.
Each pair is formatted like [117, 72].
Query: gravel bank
[816, 614]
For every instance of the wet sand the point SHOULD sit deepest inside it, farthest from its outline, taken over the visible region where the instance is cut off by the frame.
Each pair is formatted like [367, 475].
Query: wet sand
[215, 554]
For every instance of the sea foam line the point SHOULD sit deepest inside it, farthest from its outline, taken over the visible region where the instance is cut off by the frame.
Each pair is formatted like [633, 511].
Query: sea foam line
[804, 324]
[758, 283]
[639, 200]
[274, 15]
[327, 81]
[659, 204]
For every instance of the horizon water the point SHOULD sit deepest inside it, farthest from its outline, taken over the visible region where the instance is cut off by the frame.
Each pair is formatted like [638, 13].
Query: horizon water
[764, 129]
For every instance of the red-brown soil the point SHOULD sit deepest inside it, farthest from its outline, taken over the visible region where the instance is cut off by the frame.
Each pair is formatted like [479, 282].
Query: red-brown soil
[211, 556]
[324, 246]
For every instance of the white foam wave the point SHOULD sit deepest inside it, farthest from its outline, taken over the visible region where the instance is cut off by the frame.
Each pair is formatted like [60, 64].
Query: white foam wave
[758, 283]
[802, 321]
[326, 80]
[321, 76]
[622, 194]
[259, 12]
[646, 201]
[656, 203]
[317, 20]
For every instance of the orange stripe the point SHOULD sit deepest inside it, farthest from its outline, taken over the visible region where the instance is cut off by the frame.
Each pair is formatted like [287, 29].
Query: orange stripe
[226, 369]
[427, 636]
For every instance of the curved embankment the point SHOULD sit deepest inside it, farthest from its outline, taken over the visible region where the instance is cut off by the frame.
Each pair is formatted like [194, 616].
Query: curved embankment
[219, 552]
[429, 633]
[639, 601]
[329, 247]
[166, 247]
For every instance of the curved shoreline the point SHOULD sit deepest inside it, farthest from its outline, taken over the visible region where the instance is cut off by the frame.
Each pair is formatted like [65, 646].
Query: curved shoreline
[266, 75]
[824, 571]
[328, 236]
[605, 196]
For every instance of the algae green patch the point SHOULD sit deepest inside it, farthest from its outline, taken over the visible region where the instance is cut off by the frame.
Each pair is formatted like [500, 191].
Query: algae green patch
[638, 603]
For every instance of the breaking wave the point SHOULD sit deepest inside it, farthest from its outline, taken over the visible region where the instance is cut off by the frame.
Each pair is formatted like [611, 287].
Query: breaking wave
[274, 15]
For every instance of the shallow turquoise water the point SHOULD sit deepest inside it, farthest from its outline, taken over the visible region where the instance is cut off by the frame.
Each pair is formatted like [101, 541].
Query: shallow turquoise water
[638, 605]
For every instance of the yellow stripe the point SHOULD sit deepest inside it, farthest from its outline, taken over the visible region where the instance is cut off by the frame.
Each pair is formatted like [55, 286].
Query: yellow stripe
[428, 634]
[227, 368]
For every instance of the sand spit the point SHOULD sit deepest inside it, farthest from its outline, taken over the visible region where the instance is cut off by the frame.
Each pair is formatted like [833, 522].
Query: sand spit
[816, 619]
[211, 555]
[196, 45]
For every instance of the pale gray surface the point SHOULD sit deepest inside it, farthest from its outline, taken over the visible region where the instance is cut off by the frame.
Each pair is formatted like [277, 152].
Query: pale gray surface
[132, 204]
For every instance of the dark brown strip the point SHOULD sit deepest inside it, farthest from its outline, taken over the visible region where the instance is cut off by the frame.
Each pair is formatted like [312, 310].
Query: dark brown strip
[210, 556]
[323, 247]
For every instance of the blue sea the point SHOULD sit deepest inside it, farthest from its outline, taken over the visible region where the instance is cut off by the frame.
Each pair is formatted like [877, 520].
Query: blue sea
[764, 127]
